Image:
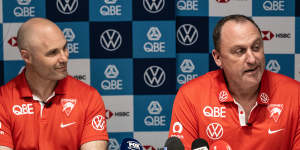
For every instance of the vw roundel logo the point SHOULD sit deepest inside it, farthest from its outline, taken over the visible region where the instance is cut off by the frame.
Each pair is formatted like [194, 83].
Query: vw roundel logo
[187, 34]
[153, 6]
[110, 40]
[154, 76]
[66, 6]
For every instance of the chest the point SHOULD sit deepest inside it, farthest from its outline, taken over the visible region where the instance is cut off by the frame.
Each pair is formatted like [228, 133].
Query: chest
[56, 124]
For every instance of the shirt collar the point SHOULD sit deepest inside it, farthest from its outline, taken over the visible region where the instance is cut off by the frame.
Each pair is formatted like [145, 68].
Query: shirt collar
[23, 87]
[224, 95]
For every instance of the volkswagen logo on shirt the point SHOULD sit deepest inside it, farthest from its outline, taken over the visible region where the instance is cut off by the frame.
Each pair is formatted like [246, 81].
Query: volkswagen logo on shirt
[153, 6]
[154, 76]
[214, 131]
[110, 40]
[187, 34]
[98, 122]
[66, 6]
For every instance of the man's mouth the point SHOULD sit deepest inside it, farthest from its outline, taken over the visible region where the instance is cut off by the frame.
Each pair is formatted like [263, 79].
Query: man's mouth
[251, 70]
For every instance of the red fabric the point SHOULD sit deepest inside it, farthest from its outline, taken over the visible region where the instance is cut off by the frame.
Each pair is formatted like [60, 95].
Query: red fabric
[203, 108]
[70, 121]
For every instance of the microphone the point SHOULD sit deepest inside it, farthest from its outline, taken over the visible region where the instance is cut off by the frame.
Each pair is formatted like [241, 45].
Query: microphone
[200, 144]
[174, 143]
[131, 144]
[220, 145]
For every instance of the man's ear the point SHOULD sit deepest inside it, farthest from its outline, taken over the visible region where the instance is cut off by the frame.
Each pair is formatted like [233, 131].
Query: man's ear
[26, 55]
[217, 57]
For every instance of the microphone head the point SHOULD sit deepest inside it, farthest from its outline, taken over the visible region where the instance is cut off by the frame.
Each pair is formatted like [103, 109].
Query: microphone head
[131, 144]
[220, 145]
[174, 143]
[200, 144]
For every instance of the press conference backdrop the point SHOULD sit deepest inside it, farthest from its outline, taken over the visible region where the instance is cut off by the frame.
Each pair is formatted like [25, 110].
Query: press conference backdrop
[137, 53]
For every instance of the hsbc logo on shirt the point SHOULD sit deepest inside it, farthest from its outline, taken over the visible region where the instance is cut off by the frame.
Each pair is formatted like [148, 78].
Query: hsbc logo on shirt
[268, 35]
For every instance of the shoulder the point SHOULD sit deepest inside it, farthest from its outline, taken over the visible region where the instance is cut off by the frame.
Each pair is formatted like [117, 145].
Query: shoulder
[280, 81]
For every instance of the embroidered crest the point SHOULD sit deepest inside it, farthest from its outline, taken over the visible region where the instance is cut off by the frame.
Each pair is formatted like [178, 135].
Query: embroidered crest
[223, 96]
[68, 105]
[264, 98]
[275, 111]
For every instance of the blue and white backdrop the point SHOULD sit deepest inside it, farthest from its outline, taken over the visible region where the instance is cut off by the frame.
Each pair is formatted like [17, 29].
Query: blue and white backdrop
[137, 53]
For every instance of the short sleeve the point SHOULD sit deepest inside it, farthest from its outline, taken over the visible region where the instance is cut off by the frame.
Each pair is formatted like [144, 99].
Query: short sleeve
[183, 122]
[5, 125]
[95, 127]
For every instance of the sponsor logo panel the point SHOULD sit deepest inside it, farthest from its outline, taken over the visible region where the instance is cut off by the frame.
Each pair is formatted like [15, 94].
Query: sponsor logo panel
[191, 34]
[67, 10]
[22, 10]
[116, 138]
[277, 39]
[111, 40]
[10, 49]
[273, 8]
[154, 39]
[189, 67]
[281, 63]
[191, 8]
[77, 36]
[228, 7]
[151, 140]
[112, 76]
[119, 110]
[80, 69]
[12, 69]
[154, 76]
[156, 114]
[111, 10]
[297, 8]
[153, 10]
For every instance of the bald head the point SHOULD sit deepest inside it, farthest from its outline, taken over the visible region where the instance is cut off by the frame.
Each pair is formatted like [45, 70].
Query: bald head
[34, 30]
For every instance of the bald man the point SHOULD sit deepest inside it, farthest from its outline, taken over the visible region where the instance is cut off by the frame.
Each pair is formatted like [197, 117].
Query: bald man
[43, 107]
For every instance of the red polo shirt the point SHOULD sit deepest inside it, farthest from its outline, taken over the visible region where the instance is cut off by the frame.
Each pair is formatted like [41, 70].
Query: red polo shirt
[204, 108]
[73, 116]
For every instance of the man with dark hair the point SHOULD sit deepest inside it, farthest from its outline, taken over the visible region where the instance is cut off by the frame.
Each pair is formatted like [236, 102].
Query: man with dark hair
[45, 108]
[241, 103]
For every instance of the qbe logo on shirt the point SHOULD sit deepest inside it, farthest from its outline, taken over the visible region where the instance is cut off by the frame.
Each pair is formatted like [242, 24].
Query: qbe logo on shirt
[112, 76]
[110, 10]
[77, 36]
[281, 63]
[21, 10]
[111, 40]
[156, 113]
[273, 8]
[189, 67]
[154, 39]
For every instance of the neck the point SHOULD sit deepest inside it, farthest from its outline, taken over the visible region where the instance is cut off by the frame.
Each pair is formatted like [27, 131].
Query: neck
[241, 92]
[40, 87]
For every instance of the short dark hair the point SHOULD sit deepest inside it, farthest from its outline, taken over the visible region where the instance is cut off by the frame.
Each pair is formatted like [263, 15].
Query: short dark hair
[218, 28]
